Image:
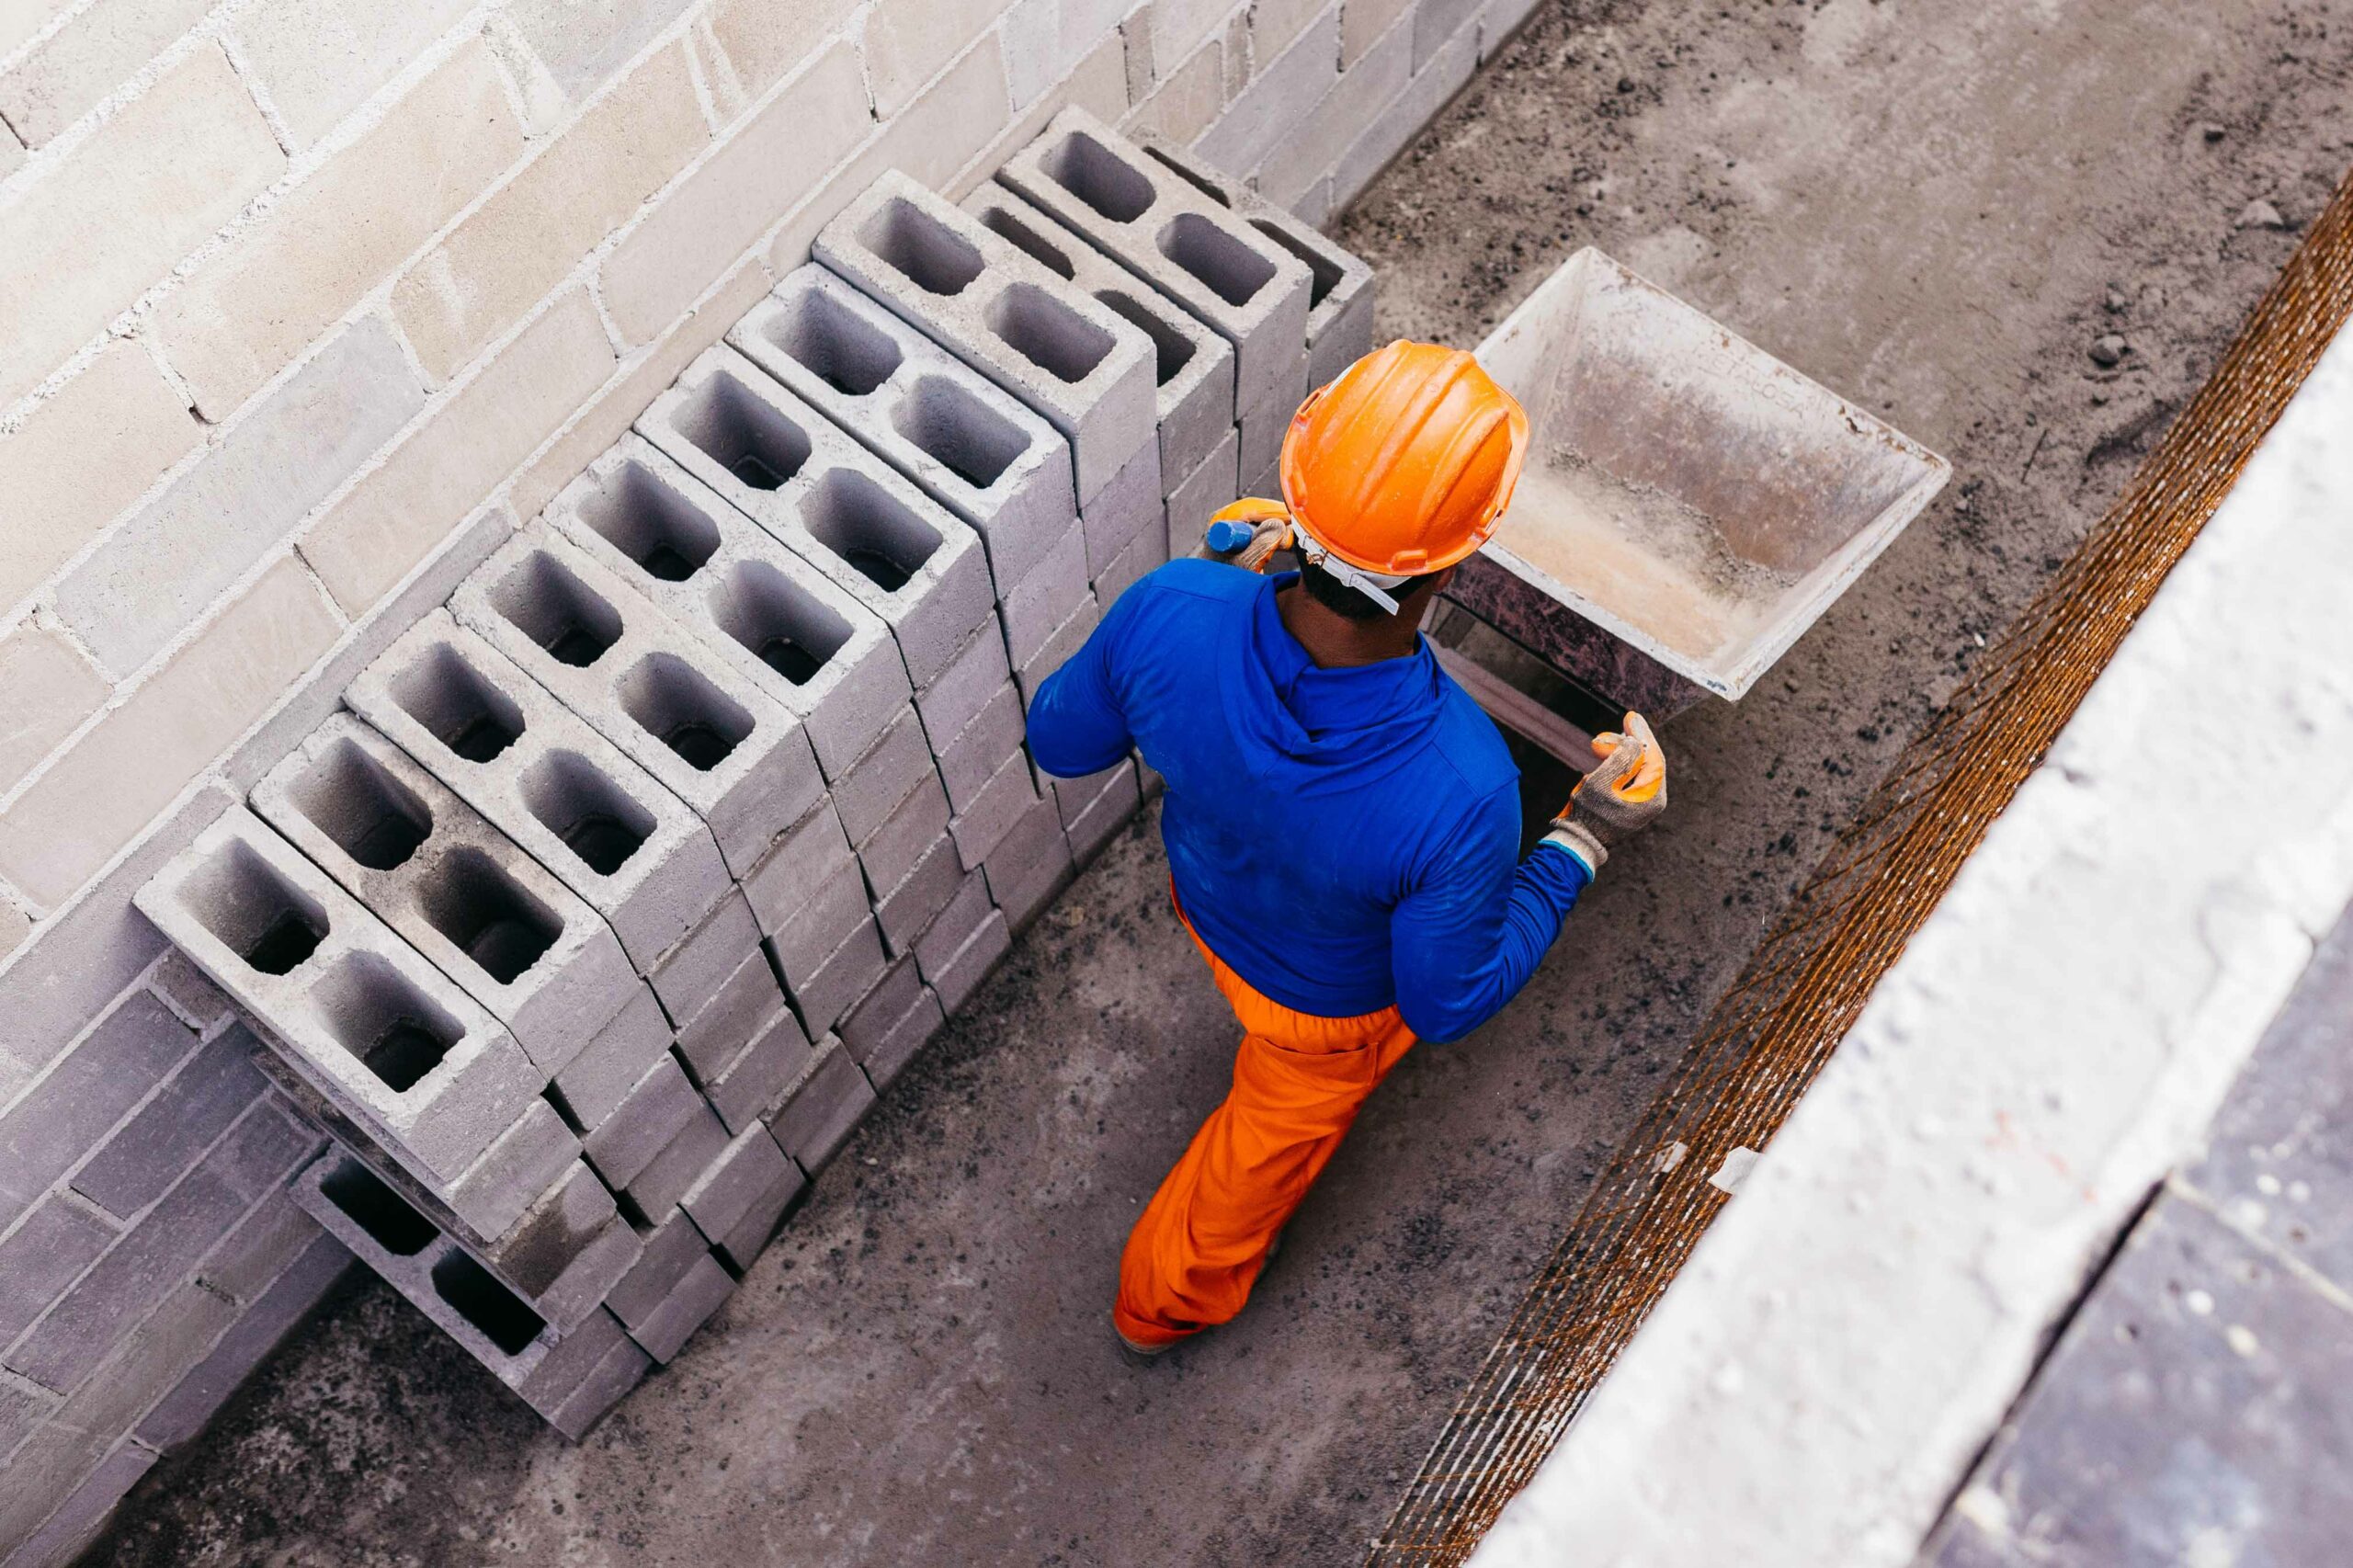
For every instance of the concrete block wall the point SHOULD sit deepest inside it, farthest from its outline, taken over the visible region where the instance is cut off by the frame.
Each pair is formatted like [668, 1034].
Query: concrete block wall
[310, 307]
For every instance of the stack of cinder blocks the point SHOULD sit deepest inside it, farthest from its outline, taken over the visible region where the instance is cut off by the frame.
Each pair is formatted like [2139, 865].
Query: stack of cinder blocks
[626, 878]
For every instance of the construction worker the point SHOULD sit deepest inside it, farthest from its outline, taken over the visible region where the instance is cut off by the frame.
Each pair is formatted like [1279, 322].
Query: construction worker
[1342, 821]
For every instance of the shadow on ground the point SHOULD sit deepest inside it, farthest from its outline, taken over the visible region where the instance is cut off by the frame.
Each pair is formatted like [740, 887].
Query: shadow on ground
[1934, 210]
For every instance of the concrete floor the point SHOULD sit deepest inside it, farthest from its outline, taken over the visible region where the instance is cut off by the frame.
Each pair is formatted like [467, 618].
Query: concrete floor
[1934, 209]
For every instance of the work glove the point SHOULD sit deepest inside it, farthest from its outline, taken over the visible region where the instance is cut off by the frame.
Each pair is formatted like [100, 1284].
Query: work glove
[1623, 794]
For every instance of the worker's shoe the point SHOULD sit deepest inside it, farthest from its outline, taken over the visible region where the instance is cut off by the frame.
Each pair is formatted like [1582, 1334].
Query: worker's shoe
[1137, 1354]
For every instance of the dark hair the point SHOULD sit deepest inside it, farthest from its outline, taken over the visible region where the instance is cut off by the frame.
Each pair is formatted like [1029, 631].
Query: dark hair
[1342, 600]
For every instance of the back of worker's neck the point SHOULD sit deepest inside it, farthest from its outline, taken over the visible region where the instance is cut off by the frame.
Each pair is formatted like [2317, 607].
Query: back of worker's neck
[1336, 642]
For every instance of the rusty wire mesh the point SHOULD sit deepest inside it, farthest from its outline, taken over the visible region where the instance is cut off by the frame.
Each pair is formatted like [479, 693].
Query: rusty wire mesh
[1770, 1034]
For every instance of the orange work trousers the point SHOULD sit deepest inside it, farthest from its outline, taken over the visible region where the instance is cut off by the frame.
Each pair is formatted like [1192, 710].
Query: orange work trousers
[1298, 1082]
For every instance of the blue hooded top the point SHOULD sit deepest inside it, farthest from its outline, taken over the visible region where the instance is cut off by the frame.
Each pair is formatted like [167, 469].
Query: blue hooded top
[1343, 838]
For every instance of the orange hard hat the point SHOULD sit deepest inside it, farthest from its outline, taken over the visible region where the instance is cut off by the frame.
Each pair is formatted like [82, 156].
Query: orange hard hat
[1403, 463]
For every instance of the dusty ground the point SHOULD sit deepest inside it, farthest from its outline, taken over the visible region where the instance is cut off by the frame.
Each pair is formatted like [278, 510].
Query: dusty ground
[1936, 209]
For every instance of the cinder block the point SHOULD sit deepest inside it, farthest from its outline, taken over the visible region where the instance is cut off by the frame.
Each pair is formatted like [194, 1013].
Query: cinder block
[1202, 493]
[805, 641]
[1051, 594]
[432, 868]
[906, 909]
[892, 1023]
[828, 914]
[560, 789]
[584, 1375]
[1127, 508]
[983, 825]
[438, 1277]
[654, 1111]
[974, 449]
[971, 759]
[1262, 426]
[829, 500]
[593, 1084]
[1030, 867]
[682, 712]
[1067, 640]
[1342, 287]
[567, 1251]
[976, 673]
[746, 1172]
[691, 974]
[667, 1253]
[1146, 550]
[815, 1116]
[1096, 818]
[698, 1293]
[962, 945]
[845, 975]
[750, 1082]
[679, 1165]
[743, 1005]
[799, 868]
[1193, 367]
[1103, 187]
[385, 1035]
[43, 1256]
[1087, 369]
[482, 1204]
[156, 1146]
[918, 821]
[879, 781]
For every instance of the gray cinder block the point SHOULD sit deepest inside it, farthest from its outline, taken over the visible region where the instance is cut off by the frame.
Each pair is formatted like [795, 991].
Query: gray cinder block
[654, 1112]
[1083, 366]
[829, 500]
[918, 821]
[904, 910]
[817, 1113]
[892, 1023]
[828, 914]
[699, 1292]
[1341, 291]
[1047, 598]
[1068, 638]
[1030, 867]
[567, 1251]
[680, 1163]
[1202, 493]
[983, 825]
[1127, 508]
[962, 945]
[841, 979]
[593, 1084]
[1090, 819]
[1193, 367]
[971, 759]
[783, 623]
[584, 1375]
[692, 974]
[879, 781]
[482, 1204]
[436, 872]
[743, 1005]
[1262, 426]
[565, 793]
[964, 687]
[441, 1278]
[687, 716]
[750, 1081]
[385, 1035]
[1252, 291]
[147, 1153]
[975, 451]
[666, 1251]
[797, 868]
[744, 1173]
[1147, 550]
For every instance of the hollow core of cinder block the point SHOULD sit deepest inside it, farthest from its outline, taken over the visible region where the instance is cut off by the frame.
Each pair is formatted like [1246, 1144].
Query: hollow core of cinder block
[1171, 349]
[1226, 267]
[470, 899]
[387, 1217]
[848, 353]
[930, 255]
[1098, 177]
[678, 705]
[873, 530]
[458, 704]
[1023, 237]
[1046, 333]
[594, 816]
[380, 1016]
[651, 523]
[949, 422]
[787, 626]
[748, 437]
[475, 1294]
[1324, 274]
[356, 801]
[260, 915]
[546, 600]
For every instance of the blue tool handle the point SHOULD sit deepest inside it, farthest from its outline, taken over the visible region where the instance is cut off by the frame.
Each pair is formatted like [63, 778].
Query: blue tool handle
[1225, 538]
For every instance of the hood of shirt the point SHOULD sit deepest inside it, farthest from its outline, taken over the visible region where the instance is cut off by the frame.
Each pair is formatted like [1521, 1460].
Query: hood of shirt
[1314, 718]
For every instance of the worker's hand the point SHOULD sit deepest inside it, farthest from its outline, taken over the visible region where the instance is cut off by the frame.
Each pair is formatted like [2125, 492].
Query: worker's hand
[1623, 794]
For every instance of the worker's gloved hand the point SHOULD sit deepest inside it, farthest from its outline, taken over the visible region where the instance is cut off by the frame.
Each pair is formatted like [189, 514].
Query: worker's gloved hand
[1623, 794]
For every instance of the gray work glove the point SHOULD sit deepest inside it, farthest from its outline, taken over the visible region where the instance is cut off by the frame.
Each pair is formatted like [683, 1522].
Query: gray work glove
[1623, 794]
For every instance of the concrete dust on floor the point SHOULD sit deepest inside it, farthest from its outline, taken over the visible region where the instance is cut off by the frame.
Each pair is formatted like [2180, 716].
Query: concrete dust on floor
[1939, 212]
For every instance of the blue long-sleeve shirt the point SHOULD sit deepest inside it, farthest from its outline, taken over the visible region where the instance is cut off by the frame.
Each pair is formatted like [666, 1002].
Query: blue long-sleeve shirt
[1343, 838]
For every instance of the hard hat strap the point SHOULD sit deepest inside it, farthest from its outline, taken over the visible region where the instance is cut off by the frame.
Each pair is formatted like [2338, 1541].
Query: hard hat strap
[1373, 585]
